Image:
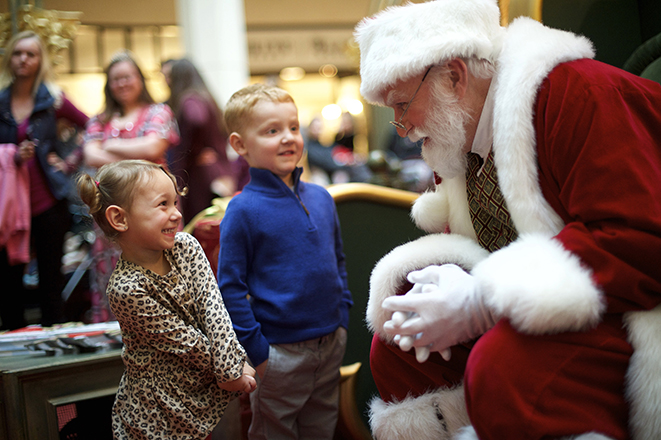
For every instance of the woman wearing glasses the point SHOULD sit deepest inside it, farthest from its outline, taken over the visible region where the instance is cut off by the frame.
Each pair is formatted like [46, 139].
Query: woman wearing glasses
[132, 126]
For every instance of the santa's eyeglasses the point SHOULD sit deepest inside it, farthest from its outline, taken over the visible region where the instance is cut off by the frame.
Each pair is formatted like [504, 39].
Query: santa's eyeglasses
[398, 123]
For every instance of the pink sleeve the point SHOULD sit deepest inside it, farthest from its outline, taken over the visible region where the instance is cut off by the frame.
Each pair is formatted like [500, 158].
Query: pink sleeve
[94, 130]
[161, 121]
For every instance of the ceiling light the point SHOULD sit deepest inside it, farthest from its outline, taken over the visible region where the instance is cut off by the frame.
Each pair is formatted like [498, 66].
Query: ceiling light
[331, 111]
[354, 106]
[292, 73]
[328, 70]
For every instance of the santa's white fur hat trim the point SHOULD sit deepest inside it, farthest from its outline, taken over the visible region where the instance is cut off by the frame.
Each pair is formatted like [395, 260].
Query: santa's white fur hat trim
[402, 41]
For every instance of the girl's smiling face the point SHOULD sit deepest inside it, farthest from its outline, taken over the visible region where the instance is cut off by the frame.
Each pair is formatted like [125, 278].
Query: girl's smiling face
[152, 220]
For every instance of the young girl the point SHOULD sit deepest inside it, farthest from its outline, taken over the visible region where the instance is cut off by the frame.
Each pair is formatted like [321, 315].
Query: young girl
[183, 360]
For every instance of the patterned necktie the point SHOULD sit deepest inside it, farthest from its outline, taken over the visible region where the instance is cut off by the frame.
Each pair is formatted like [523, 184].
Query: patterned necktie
[491, 219]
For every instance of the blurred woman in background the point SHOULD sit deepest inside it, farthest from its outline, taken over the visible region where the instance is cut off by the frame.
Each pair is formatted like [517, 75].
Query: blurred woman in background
[200, 159]
[132, 126]
[30, 106]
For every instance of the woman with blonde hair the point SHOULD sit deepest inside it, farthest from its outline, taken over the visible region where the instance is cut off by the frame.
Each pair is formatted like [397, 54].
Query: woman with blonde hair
[30, 106]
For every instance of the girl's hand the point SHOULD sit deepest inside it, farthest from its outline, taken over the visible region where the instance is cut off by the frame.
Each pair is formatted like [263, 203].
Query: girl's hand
[245, 383]
[249, 376]
[251, 384]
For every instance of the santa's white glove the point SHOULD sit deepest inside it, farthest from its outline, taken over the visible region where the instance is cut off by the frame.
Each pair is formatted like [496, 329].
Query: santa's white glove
[444, 308]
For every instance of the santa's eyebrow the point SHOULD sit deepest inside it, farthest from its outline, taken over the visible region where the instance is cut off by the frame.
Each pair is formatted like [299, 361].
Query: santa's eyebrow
[393, 97]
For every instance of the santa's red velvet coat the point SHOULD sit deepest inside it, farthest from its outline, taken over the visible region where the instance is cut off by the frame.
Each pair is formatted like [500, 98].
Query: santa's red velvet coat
[577, 145]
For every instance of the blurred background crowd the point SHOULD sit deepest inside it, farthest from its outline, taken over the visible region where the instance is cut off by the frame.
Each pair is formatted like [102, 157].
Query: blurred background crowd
[106, 80]
[83, 84]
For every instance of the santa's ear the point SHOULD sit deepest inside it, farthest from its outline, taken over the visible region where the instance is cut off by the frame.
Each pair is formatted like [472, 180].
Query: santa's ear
[458, 72]
[117, 218]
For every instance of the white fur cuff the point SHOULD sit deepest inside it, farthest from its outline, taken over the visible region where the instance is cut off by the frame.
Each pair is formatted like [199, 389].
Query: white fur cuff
[389, 274]
[435, 415]
[540, 286]
[644, 373]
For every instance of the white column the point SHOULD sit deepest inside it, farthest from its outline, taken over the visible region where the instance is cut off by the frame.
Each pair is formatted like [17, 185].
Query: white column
[214, 36]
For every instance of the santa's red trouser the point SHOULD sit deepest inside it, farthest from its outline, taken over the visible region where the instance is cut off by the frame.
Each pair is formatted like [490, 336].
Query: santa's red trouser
[520, 386]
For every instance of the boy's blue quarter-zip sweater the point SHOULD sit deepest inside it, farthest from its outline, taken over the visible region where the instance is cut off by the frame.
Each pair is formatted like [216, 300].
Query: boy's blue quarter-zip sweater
[284, 249]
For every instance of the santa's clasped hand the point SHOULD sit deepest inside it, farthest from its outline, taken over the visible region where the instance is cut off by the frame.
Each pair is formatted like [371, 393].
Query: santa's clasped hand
[444, 308]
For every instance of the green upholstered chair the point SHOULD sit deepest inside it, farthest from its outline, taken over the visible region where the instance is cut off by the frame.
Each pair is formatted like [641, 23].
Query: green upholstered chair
[374, 220]
[616, 27]
[646, 60]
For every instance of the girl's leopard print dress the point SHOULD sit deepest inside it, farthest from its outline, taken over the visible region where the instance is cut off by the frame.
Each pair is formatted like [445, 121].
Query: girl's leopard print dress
[178, 345]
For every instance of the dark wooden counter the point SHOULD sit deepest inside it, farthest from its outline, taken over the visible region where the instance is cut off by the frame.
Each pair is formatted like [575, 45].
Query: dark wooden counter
[33, 386]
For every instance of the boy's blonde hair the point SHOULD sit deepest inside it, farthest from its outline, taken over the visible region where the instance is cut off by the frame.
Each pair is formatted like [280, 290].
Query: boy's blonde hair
[239, 107]
[116, 184]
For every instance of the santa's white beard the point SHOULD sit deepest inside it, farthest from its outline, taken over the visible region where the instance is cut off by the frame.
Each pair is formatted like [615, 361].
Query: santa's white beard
[445, 133]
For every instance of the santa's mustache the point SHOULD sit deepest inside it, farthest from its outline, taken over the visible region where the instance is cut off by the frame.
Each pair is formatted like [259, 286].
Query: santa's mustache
[416, 134]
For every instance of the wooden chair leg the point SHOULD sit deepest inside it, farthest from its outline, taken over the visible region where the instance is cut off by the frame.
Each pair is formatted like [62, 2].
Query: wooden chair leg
[350, 425]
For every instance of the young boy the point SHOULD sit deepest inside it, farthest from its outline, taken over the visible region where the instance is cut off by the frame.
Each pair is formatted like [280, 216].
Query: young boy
[281, 273]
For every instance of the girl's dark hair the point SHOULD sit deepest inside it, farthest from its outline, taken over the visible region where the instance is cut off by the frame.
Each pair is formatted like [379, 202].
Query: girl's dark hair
[115, 184]
[112, 105]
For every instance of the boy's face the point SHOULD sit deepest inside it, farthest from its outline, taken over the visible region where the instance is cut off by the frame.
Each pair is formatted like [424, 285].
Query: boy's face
[272, 141]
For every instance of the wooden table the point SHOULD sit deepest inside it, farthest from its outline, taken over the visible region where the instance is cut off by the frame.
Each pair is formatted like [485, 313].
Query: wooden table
[33, 386]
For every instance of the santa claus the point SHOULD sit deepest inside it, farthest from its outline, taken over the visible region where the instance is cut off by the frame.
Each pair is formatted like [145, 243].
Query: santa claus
[535, 289]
